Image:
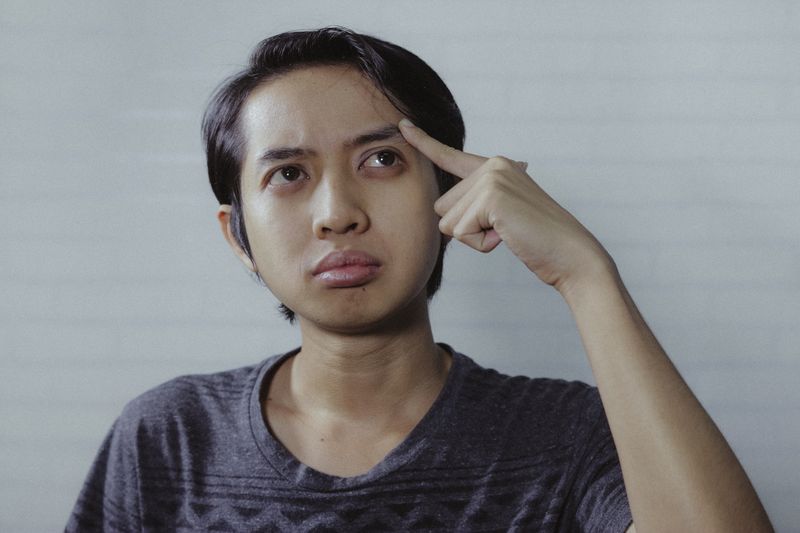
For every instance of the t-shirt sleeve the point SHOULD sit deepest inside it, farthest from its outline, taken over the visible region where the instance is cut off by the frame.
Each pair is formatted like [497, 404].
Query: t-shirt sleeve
[599, 497]
[109, 499]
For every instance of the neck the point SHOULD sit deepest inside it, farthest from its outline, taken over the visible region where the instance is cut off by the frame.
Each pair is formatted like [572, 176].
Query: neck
[385, 374]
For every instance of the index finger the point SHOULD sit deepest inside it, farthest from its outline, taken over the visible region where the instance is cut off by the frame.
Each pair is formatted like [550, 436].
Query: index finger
[449, 159]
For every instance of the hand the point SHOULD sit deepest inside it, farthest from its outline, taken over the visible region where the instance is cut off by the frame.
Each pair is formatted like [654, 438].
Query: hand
[497, 201]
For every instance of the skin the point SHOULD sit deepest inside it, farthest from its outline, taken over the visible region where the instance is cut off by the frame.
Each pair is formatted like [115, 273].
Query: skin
[368, 365]
[679, 472]
[369, 369]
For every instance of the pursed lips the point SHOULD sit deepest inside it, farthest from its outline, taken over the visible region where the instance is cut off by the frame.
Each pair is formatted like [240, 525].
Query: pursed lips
[346, 268]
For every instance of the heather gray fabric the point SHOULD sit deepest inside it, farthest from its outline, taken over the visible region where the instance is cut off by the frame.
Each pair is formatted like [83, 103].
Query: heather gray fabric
[494, 453]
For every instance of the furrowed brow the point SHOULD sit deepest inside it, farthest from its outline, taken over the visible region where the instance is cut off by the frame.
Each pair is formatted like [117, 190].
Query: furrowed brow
[280, 154]
[387, 132]
[271, 155]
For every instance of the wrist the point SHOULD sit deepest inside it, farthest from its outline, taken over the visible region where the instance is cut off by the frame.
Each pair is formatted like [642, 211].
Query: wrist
[597, 275]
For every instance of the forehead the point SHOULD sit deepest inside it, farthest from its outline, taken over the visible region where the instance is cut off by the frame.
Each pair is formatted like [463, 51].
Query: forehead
[319, 106]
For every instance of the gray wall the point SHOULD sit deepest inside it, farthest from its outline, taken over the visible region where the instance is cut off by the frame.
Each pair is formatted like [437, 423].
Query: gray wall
[671, 129]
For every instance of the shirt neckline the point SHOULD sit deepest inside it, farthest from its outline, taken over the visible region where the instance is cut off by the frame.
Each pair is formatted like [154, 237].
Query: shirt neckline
[301, 475]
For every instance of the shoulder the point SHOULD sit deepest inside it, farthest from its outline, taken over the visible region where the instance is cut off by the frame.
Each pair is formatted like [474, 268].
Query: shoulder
[554, 393]
[539, 404]
[190, 398]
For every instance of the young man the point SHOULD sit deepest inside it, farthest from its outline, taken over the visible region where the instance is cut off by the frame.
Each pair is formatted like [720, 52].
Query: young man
[343, 207]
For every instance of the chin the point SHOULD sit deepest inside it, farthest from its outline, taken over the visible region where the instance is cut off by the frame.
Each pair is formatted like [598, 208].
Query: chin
[355, 315]
[353, 320]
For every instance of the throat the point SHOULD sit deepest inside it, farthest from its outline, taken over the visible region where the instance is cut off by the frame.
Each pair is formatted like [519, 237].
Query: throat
[350, 441]
[371, 389]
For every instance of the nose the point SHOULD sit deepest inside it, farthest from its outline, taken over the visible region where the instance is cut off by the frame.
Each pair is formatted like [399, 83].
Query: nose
[339, 207]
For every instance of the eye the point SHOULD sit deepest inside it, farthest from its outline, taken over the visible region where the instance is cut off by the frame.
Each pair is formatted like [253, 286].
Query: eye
[384, 158]
[286, 175]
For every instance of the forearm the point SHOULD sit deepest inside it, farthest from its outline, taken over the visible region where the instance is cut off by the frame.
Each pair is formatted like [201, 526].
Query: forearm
[680, 474]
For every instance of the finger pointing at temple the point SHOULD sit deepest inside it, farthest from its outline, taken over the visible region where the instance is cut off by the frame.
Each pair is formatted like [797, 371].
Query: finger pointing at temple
[449, 159]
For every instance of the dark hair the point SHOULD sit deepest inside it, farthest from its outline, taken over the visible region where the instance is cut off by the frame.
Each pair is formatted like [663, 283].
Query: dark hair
[406, 80]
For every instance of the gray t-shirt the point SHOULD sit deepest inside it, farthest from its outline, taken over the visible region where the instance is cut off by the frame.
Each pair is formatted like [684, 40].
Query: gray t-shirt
[493, 453]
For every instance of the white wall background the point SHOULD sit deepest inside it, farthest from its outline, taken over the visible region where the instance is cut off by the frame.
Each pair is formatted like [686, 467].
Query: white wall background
[670, 129]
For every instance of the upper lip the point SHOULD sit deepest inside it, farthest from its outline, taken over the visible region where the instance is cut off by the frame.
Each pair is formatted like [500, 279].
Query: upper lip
[344, 258]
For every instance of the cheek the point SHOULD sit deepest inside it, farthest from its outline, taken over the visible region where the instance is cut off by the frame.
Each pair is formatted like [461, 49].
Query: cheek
[274, 238]
[412, 225]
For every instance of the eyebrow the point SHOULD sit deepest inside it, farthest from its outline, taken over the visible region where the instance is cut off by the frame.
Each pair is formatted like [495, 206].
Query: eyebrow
[383, 133]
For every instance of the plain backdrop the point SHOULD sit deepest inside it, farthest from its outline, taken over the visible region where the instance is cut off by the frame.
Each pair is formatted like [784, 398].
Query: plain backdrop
[670, 129]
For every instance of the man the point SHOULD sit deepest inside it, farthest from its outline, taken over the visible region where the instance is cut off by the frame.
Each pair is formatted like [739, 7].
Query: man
[343, 207]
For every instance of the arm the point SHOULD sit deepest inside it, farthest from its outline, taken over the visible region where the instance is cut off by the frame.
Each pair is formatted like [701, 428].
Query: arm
[680, 474]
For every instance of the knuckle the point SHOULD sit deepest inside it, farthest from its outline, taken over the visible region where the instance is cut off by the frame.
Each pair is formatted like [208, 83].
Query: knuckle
[500, 162]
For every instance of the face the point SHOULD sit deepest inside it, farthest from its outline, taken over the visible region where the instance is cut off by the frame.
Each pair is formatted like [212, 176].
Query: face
[338, 207]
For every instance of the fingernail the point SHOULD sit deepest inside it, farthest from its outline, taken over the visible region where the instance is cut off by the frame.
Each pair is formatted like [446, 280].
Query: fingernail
[407, 123]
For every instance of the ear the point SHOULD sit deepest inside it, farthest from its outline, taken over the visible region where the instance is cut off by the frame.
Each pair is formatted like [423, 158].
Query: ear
[224, 217]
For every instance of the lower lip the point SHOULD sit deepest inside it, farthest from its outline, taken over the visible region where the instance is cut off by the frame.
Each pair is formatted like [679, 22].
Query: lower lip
[348, 276]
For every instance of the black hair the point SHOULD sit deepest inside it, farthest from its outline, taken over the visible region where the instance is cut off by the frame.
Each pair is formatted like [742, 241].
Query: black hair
[407, 81]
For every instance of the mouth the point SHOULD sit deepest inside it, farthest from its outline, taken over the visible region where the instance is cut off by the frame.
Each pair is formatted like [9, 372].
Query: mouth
[350, 268]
